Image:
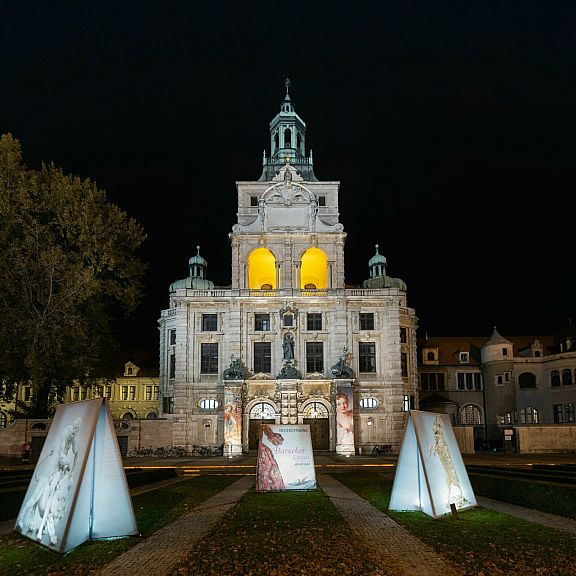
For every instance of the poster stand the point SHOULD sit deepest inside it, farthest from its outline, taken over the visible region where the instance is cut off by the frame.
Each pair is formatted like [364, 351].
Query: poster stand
[78, 490]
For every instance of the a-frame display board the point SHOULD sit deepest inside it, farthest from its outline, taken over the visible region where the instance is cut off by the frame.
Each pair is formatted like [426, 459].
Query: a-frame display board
[430, 474]
[78, 491]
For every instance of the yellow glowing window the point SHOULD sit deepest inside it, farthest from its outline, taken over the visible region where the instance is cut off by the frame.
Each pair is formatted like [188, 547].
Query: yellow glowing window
[314, 270]
[261, 270]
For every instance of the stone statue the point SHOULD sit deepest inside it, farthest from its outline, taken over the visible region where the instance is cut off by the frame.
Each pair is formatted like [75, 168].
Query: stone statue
[341, 368]
[236, 371]
[288, 347]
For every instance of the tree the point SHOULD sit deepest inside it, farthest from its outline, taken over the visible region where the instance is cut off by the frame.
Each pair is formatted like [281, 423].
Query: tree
[68, 268]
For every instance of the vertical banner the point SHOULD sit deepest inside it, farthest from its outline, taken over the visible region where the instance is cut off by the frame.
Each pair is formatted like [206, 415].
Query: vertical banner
[78, 490]
[430, 474]
[285, 458]
[232, 420]
[344, 420]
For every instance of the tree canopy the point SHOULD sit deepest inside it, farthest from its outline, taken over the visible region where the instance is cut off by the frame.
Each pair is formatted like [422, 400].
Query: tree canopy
[68, 269]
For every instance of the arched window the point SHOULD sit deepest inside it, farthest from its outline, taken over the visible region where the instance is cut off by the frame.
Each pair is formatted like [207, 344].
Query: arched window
[529, 415]
[470, 415]
[261, 270]
[287, 138]
[566, 376]
[209, 404]
[128, 416]
[314, 269]
[527, 380]
[431, 357]
[151, 416]
[555, 378]
[369, 402]
[262, 411]
[275, 142]
[315, 410]
[3, 420]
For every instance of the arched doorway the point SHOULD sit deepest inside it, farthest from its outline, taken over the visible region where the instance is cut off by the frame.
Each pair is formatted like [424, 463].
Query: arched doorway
[261, 413]
[316, 415]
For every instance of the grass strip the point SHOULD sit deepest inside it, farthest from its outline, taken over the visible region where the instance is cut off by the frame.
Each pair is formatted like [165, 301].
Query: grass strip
[153, 510]
[281, 534]
[478, 542]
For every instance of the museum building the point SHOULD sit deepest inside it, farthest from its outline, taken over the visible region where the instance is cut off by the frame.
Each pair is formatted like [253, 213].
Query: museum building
[288, 342]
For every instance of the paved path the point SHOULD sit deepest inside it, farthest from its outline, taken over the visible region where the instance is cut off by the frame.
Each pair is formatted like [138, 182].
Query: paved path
[529, 514]
[160, 552]
[394, 547]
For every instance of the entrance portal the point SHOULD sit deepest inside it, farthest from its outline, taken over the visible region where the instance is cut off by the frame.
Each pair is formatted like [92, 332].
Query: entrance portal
[261, 413]
[316, 415]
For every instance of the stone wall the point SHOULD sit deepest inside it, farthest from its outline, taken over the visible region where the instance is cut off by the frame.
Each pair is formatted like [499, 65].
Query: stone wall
[546, 438]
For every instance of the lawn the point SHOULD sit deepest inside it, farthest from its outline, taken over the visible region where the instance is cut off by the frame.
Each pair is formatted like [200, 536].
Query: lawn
[152, 509]
[478, 542]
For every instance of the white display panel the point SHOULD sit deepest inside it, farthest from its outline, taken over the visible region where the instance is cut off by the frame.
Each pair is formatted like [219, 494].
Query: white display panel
[78, 490]
[285, 458]
[430, 475]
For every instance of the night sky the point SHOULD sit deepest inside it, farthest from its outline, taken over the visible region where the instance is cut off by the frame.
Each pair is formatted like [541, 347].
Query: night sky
[450, 126]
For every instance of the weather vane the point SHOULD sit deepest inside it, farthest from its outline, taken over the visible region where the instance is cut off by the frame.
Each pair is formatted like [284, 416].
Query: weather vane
[287, 82]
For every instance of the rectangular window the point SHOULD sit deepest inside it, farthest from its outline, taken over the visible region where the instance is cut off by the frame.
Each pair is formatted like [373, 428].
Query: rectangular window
[262, 322]
[168, 405]
[288, 320]
[403, 335]
[366, 321]
[107, 391]
[314, 321]
[404, 364]
[367, 357]
[464, 357]
[156, 393]
[209, 322]
[569, 412]
[408, 403]
[469, 380]
[432, 380]
[558, 414]
[76, 393]
[262, 357]
[132, 392]
[321, 200]
[148, 392]
[209, 358]
[254, 201]
[124, 392]
[172, 337]
[314, 357]
[84, 393]
[172, 367]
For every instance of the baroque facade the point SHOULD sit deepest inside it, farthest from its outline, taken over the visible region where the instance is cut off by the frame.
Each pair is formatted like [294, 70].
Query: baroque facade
[288, 342]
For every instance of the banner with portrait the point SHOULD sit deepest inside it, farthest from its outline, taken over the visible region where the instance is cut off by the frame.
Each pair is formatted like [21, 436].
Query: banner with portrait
[285, 458]
[78, 490]
[430, 474]
[345, 420]
[232, 420]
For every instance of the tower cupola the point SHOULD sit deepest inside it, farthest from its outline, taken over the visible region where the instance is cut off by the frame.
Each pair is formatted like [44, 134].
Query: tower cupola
[197, 277]
[377, 265]
[287, 143]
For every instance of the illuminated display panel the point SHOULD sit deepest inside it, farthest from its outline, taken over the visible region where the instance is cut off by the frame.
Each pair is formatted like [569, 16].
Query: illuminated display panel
[78, 491]
[430, 475]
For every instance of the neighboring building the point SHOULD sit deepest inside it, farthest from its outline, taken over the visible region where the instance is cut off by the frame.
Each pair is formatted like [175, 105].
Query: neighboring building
[497, 383]
[134, 393]
[288, 342]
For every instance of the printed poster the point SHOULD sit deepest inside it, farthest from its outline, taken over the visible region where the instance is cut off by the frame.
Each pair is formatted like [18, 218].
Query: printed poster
[285, 458]
[344, 420]
[430, 475]
[232, 420]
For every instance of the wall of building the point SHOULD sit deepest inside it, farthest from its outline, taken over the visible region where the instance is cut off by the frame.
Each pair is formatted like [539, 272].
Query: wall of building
[544, 439]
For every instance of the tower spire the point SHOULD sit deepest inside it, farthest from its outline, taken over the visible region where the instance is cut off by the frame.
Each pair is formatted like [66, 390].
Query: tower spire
[287, 83]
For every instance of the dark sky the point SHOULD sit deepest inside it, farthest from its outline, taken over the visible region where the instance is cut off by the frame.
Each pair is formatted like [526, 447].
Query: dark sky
[449, 124]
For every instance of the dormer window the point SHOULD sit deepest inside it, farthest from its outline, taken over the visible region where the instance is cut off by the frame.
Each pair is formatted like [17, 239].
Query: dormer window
[464, 357]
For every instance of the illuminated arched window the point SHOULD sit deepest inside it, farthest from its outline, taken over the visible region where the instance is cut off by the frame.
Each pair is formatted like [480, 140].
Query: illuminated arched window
[470, 414]
[314, 270]
[315, 410]
[261, 270]
[262, 411]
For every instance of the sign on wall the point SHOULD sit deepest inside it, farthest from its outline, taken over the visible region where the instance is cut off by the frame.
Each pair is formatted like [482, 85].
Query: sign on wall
[344, 420]
[430, 474]
[78, 491]
[285, 458]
